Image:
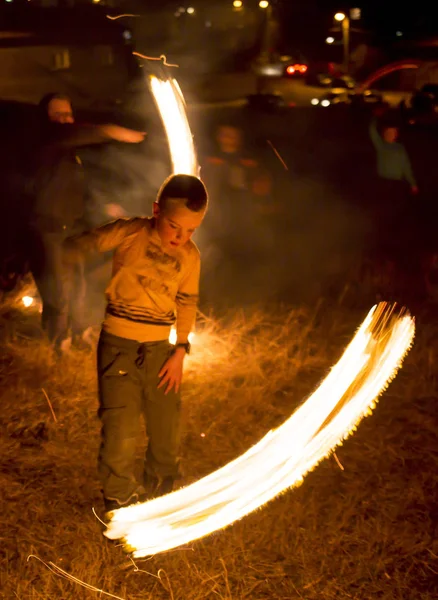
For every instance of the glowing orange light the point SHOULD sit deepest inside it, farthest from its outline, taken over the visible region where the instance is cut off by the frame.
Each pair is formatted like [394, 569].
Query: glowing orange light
[171, 106]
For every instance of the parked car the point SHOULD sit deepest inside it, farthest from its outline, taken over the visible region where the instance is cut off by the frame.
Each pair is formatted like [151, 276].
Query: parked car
[328, 80]
[333, 98]
[281, 66]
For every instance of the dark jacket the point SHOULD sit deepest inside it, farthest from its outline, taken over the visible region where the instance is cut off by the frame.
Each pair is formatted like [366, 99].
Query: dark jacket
[58, 185]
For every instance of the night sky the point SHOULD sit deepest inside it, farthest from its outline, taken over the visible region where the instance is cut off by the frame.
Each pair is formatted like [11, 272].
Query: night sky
[385, 16]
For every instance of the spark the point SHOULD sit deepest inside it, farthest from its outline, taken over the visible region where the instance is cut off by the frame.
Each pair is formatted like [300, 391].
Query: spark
[113, 18]
[50, 405]
[278, 155]
[171, 106]
[162, 57]
[285, 455]
[61, 573]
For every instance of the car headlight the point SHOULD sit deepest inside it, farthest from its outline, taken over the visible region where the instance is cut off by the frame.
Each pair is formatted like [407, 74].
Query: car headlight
[325, 103]
[314, 101]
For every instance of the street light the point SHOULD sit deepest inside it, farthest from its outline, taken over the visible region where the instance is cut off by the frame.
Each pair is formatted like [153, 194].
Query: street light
[237, 3]
[343, 19]
[263, 3]
[329, 40]
[190, 10]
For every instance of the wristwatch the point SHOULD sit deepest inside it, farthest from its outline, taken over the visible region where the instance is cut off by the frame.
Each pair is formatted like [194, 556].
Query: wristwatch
[185, 345]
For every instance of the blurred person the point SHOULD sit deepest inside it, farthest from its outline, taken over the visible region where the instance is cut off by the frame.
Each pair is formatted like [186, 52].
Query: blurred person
[154, 284]
[393, 210]
[239, 187]
[58, 194]
[393, 162]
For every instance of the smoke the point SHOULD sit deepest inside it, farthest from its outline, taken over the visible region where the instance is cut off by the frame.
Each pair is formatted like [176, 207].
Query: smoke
[313, 240]
[312, 243]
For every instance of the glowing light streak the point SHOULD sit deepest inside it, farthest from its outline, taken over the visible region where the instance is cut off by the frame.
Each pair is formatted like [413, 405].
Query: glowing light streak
[283, 457]
[278, 155]
[54, 568]
[120, 16]
[162, 57]
[171, 106]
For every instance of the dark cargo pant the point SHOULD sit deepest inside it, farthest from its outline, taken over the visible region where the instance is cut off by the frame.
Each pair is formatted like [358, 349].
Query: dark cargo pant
[61, 286]
[128, 379]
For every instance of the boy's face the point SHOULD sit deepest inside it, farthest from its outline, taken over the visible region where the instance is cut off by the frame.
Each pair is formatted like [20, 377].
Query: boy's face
[390, 134]
[176, 223]
[60, 111]
[229, 139]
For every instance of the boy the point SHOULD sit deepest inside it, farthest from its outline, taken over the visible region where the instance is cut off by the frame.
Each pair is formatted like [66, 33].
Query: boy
[393, 163]
[154, 284]
[393, 211]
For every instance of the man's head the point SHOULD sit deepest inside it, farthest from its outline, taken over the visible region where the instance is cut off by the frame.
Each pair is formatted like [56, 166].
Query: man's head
[229, 138]
[179, 209]
[57, 108]
[390, 133]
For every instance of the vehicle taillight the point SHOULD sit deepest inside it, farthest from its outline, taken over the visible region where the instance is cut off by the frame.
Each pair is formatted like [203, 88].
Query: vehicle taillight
[291, 69]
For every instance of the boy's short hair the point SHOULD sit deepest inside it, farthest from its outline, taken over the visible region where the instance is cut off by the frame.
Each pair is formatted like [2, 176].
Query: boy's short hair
[187, 188]
[47, 99]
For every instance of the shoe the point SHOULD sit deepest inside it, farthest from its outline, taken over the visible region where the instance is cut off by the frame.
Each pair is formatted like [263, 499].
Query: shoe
[85, 340]
[63, 347]
[150, 484]
[164, 487]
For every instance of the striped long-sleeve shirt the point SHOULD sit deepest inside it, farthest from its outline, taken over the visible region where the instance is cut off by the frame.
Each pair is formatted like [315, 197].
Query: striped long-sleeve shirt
[150, 290]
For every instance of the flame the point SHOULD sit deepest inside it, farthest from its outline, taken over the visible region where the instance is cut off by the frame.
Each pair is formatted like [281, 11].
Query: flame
[284, 456]
[27, 301]
[171, 106]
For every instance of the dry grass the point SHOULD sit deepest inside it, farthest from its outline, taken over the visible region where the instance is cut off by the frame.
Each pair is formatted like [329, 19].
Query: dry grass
[365, 532]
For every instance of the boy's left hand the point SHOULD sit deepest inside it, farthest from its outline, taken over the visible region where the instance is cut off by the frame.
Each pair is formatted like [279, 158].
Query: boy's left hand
[172, 371]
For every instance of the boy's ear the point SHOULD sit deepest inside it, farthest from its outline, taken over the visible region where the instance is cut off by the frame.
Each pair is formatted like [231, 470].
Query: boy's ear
[156, 209]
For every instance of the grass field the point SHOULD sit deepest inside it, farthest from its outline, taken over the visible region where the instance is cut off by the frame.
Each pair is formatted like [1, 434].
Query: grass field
[365, 531]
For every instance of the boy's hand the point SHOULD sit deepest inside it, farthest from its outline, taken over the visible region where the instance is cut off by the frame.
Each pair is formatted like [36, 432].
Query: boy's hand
[172, 371]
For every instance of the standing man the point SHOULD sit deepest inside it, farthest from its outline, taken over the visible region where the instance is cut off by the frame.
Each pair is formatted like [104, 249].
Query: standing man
[58, 207]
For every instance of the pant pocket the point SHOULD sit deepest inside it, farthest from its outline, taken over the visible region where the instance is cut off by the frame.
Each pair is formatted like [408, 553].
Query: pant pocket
[115, 377]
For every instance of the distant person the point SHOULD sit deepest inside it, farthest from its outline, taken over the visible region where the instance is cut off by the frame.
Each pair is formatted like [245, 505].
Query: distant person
[394, 212]
[393, 162]
[239, 187]
[232, 168]
[58, 206]
[154, 284]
